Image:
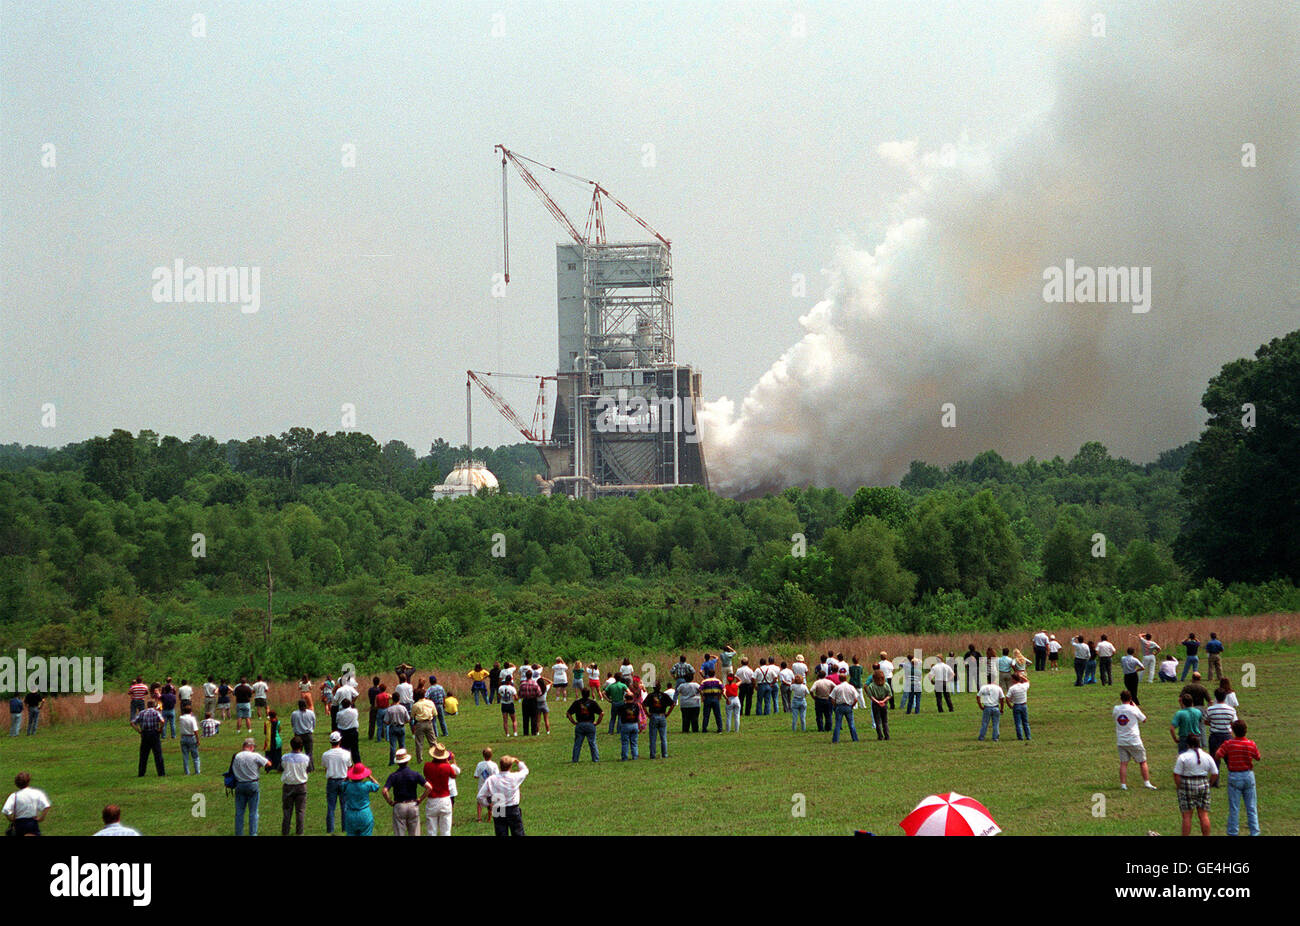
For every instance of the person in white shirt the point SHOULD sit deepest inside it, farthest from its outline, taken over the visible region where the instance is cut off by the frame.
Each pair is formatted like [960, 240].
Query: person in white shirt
[1169, 669]
[844, 698]
[1082, 653]
[1053, 653]
[507, 694]
[1018, 696]
[336, 761]
[942, 676]
[745, 678]
[293, 781]
[188, 726]
[112, 817]
[186, 693]
[786, 677]
[990, 698]
[26, 807]
[1128, 737]
[260, 688]
[1195, 771]
[1040, 650]
[560, 680]
[209, 697]
[1105, 653]
[404, 693]
[1149, 649]
[500, 792]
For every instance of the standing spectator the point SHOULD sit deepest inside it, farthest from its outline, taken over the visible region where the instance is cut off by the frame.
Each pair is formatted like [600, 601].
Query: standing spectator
[136, 695]
[372, 716]
[293, 786]
[405, 791]
[886, 666]
[358, 820]
[34, 701]
[799, 693]
[1018, 698]
[1241, 755]
[879, 693]
[845, 699]
[785, 677]
[529, 692]
[1053, 653]
[149, 724]
[423, 712]
[1219, 717]
[761, 686]
[658, 704]
[189, 727]
[1230, 696]
[629, 716]
[506, 694]
[223, 701]
[1040, 651]
[1214, 656]
[247, 765]
[1192, 646]
[1090, 670]
[260, 687]
[487, 768]
[26, 808]
[244, 705]
[439, 773]
[579, 677]
[912, 686]
[186, 694]
[1105, 653]
[1128, 718]
[709, 664]
[745, 678]
[273, 744]
[382, 701]
[494, 681]
[970, 669]
[349, 724]
[501, 793]
[15, 715]
[1082, 653]
[990, 699]
[732, 693]
[1019, 663]
[1194, 772]
[544, 709]
[395, 721]
[303, 724]
[727, 659]
[1186, 723]
[615, 691]
[1132, 669]
[711, 692]
[585, 715]
[167, 707]
[821, 694]
[1005, 667]
[943, 676]
[438, 695]
[403, 692]
[478, 677]
[1149, 649]
[688, 699]
[560, 678]
[210, 697]
[112, 817]
[336, 761]
[304, 692]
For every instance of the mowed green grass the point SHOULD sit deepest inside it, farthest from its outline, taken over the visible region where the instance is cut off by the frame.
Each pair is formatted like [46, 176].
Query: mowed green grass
[746, 783]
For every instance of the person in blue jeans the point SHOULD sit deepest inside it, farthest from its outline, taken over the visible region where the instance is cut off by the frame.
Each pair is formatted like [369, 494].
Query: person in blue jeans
[1018, 695]
[845, 698]
[1193, 663]
[246, 766]
[990, 698]
[1241, 754]
[711, 693]
[396, 719]
[585, 715]
[15, 715]
[629, 716]
[658, 706]
[34, 701]
[912, 684]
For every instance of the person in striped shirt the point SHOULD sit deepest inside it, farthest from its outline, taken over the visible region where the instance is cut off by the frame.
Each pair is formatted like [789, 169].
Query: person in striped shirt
[1219, 716]
[1241, 755]
[138, 692]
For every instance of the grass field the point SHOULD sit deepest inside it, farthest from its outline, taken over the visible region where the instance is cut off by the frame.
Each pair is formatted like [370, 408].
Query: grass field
[736, 783]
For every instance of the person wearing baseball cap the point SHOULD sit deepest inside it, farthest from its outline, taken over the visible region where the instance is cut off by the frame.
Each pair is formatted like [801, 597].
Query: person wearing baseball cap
[336, 761]
[360, 784]
[404, 791]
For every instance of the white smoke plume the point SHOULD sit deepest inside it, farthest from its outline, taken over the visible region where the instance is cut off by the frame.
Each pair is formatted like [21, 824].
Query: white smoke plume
[1138, 163]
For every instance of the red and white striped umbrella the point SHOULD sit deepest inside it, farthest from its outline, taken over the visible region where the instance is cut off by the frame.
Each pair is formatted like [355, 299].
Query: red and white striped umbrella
[950, 814]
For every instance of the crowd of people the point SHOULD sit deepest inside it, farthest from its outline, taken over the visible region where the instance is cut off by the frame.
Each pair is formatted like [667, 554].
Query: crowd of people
[1206, 728]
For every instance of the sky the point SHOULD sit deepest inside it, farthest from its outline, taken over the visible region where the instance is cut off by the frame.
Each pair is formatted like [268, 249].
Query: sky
[766, 140]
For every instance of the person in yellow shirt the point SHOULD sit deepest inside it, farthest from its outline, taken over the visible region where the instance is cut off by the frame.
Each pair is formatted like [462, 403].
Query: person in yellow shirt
[479, 676]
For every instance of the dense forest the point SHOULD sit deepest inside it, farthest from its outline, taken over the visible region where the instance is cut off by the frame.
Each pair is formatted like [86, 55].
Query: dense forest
[155, 551]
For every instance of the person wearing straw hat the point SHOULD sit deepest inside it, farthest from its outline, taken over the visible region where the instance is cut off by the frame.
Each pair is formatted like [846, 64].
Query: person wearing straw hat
[357, 817]
[404, 791]
[439, 772]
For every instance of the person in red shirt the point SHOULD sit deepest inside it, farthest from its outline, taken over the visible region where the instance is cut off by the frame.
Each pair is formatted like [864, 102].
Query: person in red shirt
[438, 773]
[732, 693]
[382, 700]
[1241, 755]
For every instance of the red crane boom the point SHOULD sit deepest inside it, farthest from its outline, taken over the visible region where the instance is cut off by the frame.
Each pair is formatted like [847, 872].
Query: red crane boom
[536, 431]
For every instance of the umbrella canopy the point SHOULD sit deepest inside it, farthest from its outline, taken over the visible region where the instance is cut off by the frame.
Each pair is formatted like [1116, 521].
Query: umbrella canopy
[950, 814]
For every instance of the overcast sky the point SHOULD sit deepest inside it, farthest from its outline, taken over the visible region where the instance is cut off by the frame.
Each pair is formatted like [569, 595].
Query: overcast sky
[226, 149]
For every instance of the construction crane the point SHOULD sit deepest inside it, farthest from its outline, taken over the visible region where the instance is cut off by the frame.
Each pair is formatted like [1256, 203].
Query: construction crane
[593, 232]
[536, 431]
